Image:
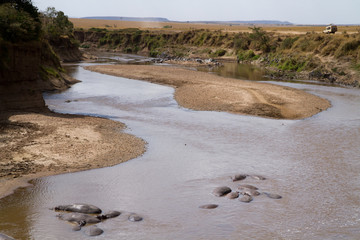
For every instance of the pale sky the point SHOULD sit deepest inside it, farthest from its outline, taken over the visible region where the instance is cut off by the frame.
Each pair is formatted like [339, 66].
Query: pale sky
[295, 11]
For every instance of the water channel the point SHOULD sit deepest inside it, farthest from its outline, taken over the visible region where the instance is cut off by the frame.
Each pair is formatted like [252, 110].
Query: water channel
[313, 163]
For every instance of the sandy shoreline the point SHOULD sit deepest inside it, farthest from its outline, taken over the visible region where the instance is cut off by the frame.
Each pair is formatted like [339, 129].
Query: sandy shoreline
[34, 145]
[204, 91]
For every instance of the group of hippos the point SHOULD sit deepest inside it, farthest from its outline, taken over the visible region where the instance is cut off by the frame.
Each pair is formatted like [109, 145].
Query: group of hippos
[244, 192]
[86, 214]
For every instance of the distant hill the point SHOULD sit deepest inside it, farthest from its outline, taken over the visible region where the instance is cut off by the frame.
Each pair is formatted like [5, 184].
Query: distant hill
[132, 19]
[158, 19]
[259, 22]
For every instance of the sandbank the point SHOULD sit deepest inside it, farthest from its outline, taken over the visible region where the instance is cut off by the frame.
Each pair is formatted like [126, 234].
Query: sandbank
[208, 92]
[34, 145]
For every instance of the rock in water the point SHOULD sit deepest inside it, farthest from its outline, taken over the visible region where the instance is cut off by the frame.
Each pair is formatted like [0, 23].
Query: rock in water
[5, 237]
[232, 195]
[80, 208]
[209, 206]
[221, 191]
[238, 177]
[94, 231]
[135, 218]
[246, 199]
[273, 195]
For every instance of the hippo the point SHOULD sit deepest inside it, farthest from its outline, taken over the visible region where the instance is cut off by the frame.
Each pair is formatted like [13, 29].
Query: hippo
[111, 214]
[246, 198]
[257, 177]
[221, 191]
[79, 218]
[209, 206]
[238, 177]
[134, 218]
[250, 192]
[243, 186]
[80, 208]
[94, 231]
[272, 195]
[76, 228]
[232, 195]
[5, 237]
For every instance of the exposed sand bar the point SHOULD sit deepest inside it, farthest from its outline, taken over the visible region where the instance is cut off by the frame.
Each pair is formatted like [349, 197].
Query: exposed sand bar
[204, 91]
[35, 145]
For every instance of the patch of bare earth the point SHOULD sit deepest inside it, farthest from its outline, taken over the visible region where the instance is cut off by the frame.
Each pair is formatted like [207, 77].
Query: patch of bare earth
[204, 91]
[34, 145]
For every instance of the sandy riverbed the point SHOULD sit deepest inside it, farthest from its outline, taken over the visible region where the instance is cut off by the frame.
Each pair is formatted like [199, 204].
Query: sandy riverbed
[34, 145]
[204, 91]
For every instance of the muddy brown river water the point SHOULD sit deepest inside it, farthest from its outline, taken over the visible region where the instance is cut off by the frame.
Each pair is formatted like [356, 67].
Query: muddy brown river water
[313, 163]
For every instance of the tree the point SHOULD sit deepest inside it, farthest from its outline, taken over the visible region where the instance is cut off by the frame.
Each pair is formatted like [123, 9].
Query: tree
[56, 23]
[260, 39]
[19, 21]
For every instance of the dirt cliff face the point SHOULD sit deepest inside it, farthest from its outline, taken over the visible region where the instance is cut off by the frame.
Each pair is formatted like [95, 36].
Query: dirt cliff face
[26, 70]
[19, 74]
[66, 50]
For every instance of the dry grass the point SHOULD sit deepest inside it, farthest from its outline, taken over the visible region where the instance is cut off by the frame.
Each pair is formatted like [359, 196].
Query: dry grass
[116, 24]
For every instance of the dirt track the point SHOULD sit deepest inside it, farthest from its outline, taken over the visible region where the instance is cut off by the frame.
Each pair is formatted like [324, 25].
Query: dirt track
[203, 91]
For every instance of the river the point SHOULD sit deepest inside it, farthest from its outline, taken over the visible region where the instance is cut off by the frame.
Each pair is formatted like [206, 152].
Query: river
[314, 164]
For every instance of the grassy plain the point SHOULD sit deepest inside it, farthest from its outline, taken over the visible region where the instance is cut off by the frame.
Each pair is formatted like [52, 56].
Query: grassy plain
[180, 26]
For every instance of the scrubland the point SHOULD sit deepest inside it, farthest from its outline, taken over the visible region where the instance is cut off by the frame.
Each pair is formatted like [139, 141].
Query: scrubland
[287, 52]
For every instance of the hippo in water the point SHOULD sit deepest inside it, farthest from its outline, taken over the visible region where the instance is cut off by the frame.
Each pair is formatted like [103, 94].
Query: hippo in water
[272, 195]
[209, 206]
[243, 186]
[79, 218]
[232, 195]
[5, 237]
[238, 177]
[246, 198]
[94, 231]
[110, 214]
[80, 208]
[135, 218]
[221, 191]
[257, 177]
[250, 192]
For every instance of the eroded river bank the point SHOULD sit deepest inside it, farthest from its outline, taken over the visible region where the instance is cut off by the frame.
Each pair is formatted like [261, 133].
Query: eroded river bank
[312, 163]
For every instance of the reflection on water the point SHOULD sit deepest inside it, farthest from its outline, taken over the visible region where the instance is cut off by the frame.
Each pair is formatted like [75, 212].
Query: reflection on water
[313, 163]
[235, 70]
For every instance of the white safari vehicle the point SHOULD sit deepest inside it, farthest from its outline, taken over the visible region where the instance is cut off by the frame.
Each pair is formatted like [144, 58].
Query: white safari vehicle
[330, 29]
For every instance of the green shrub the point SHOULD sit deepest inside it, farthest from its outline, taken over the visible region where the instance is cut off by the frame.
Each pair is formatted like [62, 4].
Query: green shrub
[19, 21]
[50, 71]
[247, 56]
[219, 53]
[241, 42]
[154, 53]
[288, 42]
[97, 29]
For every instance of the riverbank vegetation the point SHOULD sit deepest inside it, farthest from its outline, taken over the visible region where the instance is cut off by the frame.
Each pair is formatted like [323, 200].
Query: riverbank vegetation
[331, 58]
